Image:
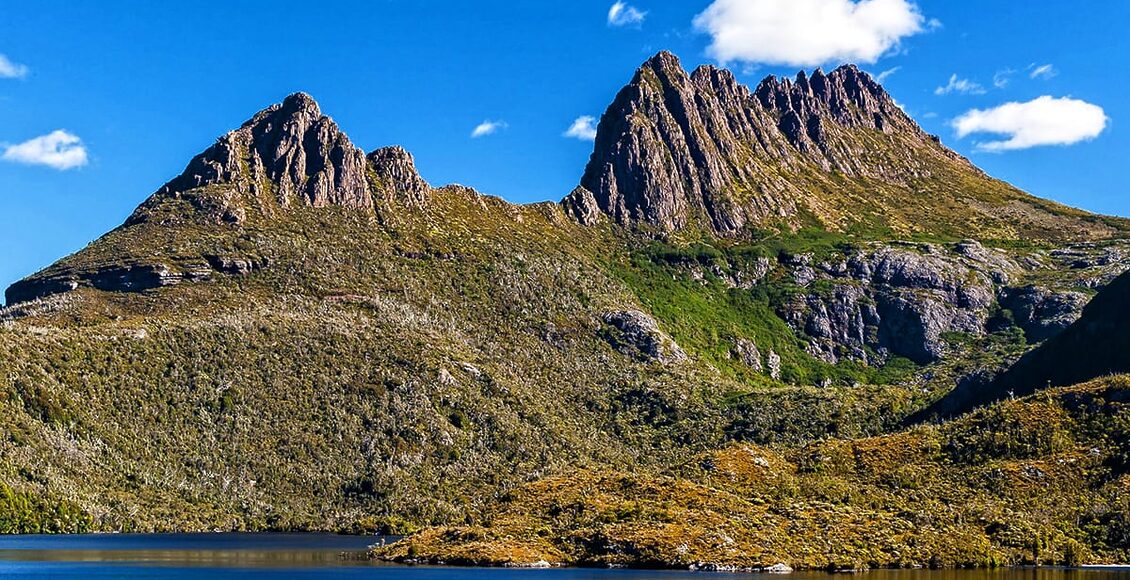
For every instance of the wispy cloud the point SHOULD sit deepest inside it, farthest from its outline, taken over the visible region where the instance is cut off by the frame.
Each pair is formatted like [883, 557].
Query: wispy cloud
[808, 32]
[1044, 71]
[960, 86]
[584, 128]
[12, 70]
[58, 150]
[883, 76]
[624, 14]
[487, 127]
[1042, 121]
[1002, 77]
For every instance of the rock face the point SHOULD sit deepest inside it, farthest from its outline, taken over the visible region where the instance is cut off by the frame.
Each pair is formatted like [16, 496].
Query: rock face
[807, 108]
[1040, 312]
[892, 300]
[902, 299]
[676, 150]
[672, 148]
[133, 278]
[1093, 346]
[289, 152]
[287, 155]
[746, 351]
[700, 151]
[396, 176]
[636, 334]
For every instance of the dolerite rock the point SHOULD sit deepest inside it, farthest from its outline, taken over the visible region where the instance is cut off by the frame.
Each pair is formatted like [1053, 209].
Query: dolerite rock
[1093, 346]
[132, 278]
[746, 351]
[396, 176]
[773, 363]
[235, 265]
[701, 150]
[582, 204]
[288, 154]
[636, 334]
[806, 108]
[1042, 313]
[674, 149]
[893, 300]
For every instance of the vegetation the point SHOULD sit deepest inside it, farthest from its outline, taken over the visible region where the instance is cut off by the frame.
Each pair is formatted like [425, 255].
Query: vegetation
[1035, 481]
[24, 513]
[406, 369]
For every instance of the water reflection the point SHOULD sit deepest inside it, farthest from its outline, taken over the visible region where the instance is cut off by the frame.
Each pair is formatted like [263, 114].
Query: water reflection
[299, 556]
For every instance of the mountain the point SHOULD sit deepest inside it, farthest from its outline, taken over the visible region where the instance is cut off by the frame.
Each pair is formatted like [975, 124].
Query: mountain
[294, 334]
[289, 155]
[702, 151]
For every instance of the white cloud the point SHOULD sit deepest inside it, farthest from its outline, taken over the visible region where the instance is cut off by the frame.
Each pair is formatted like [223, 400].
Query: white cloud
[11, 70]
[1042, 121]
[1002, 77]
[487, 127]
[883, 76]
[1044, 71]
[961, 86]
[58, 149]
[807, 32]
[584, 128]
[623, 14]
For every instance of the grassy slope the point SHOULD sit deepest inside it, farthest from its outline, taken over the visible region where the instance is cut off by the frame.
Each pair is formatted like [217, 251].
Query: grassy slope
[1040, 480]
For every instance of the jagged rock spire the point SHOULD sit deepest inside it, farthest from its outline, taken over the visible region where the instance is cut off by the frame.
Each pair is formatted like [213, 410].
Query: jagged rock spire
[670, 147]
[290, 154]
[396, 175]
[678, 150]
[291, 145]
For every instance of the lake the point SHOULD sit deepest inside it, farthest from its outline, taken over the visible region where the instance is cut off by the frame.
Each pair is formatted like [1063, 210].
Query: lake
[284, 556]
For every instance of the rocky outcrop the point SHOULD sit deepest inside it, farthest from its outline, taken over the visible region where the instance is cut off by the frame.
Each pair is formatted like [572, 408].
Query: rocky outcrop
[1093, 346]
[636, 334]
[287, 155]
[133, 278]
[395, 176]
[893, 300]
[746, 351]
[675, 150]
[900, 299]
[700, 151]
[1040, 312]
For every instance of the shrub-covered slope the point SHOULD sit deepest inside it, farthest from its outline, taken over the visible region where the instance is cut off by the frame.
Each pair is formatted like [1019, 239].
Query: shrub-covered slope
[1037, 481]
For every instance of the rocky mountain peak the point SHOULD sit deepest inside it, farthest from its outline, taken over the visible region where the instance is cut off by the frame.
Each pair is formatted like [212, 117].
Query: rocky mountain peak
[846, 96]
[669, 148]
[678, 150]
[288, 154]
[664, 61]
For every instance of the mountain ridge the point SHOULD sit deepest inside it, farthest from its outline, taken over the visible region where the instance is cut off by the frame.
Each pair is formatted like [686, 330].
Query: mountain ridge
[680, 151]
[296, 335]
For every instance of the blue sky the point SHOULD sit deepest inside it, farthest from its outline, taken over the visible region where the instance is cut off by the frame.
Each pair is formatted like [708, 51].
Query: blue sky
[143, 86]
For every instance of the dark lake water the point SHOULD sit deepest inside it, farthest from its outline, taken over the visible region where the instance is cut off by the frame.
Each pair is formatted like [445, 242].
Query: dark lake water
[254, 556]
